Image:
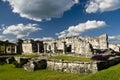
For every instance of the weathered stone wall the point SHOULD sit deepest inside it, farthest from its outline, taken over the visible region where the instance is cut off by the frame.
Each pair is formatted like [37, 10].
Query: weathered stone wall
[72, 67]
[83, 48]
[115, 47]
[100, 42]
[81, 67]
[31, 46]
[27, 47]
[77, 45]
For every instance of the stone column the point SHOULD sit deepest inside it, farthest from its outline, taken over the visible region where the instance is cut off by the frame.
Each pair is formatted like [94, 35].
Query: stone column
[10, 49]
[54, 47]
[64, 47]
[45, 47]
[38, 48]
[15, 49]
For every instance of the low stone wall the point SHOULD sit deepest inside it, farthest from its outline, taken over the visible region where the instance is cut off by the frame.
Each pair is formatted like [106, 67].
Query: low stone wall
[81, 67]
[61, 65]
[72, 66]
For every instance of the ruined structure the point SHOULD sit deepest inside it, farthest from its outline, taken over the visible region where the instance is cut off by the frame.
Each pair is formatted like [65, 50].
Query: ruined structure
[115, 47]
[31, 46]
[7, 47]
[81, 46]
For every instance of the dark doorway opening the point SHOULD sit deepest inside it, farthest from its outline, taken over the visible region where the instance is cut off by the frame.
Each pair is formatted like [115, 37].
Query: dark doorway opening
[68, 48]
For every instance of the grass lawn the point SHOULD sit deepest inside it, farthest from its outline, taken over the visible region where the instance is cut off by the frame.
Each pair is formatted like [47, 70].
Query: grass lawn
[112, 73]
[71, 58]
[19, 55]
[9, 72]
[29, 56]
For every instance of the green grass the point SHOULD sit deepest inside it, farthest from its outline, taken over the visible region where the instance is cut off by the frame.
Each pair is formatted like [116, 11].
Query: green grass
[29, 56]
[112, 73]
[19, 55]
[71, 58]
[9, 72]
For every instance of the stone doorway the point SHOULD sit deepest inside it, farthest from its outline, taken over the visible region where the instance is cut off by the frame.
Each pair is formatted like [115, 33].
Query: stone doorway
[68, 48]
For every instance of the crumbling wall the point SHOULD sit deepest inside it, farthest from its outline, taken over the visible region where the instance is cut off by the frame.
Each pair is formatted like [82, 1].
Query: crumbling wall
[83, 48]
[27, 47]
[115, 47]
[72, 67]
[78, 45]
[100, 42]
[81, 67]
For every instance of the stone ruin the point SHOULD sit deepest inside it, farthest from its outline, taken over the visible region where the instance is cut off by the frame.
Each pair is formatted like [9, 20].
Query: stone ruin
[80, 46]
[75, 46]
[35, 64]
[38, 63]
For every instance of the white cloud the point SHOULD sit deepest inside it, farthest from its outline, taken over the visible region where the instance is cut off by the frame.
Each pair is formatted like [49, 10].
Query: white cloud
[41, 9]
[4, 38]
[94, 6]
[82, 27]
[114, 39]
[44, 38]
[21, 30]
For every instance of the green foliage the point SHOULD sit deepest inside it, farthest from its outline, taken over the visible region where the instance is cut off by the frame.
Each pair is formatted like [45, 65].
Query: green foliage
[71, 58]
[17, 65]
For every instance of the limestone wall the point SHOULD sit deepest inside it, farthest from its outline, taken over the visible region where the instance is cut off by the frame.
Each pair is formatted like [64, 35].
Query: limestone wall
[27, 48]
[72, 67]
[81, 67]
[100, 42]
[78, 45]
[83, 48]
[115, 47]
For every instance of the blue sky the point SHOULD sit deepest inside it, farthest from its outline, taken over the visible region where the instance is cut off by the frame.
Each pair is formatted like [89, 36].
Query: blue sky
[47, 19]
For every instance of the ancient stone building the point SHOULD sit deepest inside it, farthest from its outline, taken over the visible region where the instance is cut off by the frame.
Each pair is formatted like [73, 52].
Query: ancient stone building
[19, 46]
[100, 42]
[115, 47]
[7, 47]
[31, 46]
[83, 46]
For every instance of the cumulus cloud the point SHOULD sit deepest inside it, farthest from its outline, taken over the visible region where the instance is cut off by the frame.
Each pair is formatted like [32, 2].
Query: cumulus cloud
[44, 38]
[21, 30]
[82, 27]
[41, 9]
[114, 39]
[4, 38]
[94, 6]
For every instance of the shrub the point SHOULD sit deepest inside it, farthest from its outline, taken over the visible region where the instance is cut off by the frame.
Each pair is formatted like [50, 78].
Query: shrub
[99, 57]
[10, 60]
[2, 60]
[17, 65]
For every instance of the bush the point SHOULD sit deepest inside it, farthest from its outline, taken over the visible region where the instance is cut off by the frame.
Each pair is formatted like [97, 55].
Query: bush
[99, 57]
[2, 60]
[17, 65]
[10, 60]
